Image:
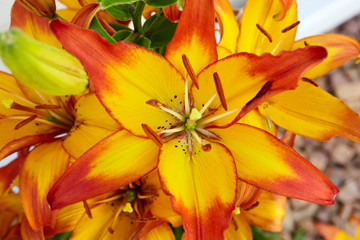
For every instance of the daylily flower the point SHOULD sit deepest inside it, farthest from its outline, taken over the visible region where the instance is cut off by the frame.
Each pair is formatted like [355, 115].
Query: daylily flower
[199, 149]
[271, 28]
[60, 128]
[331, 232]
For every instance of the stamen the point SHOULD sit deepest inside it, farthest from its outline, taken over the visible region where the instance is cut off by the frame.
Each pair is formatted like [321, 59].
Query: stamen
[173, 130]
[197, 137]
[24, 122]
[306, 44]
[290, 27]
[263, 31]
[310, 81]
[207, 104]
[87, 209]
[155, 103]
[269, 122]
[220, 90]
[20, 107]
[265, 88]
[253, 206]
[187, 104]
[190, 70]
[152, 135]
[111, 228]
[219, 116]
[44, 106]
[60, 118]
[208, 134]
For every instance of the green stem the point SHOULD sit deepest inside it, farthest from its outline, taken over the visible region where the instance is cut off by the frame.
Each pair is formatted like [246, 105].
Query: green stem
[136, 17]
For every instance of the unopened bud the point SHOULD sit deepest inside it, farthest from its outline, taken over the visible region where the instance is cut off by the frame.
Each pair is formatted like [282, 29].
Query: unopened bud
[42, 67]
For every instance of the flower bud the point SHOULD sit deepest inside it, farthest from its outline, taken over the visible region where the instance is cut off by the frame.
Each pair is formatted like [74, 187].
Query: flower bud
[42, 8]
[42, 67]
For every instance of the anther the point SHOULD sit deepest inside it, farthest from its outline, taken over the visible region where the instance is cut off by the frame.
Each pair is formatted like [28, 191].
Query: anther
[111, 230]
[152, 135]
[263, 31]
[253, 206]
[190, 70]
[306, 44]
[310, 81]
[206, 147]
[265, 88]
[24, 122]
[87, 209]
[14, 105]
[220, 90]
[290, 27]
[45, 106]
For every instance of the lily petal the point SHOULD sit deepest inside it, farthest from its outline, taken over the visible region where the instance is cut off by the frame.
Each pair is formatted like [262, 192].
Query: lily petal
[160, 232]
[36, 181]
[197, 186]
[229, 28]
[92, 125]
[85, 15]
[32, 25]
[196, 41]
[239, 229]
[312, 112]
[119, 72]
[245, 75]
[273, 17]
[269, 214]
[256, 119]
[340, 49]
[114, 162]
[9, 172]
[264, 161]
[27, 233]
[330, 232]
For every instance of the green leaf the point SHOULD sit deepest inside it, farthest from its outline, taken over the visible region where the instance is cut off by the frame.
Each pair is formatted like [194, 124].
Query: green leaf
[143, 41]
[119, 27]
[260, 234]
[121, 35]
[178, 232]
[111, 3]
[159, 3]
[121, 12]
[61, 236]
[299, 235]
[95, 25]
[159, 30]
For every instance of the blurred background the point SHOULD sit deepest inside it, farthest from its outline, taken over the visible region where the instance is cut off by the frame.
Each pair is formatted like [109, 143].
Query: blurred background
[338, 158]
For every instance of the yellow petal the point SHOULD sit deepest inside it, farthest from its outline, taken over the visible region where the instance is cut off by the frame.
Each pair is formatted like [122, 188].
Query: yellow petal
[114, 162]
[256, 119]
[330, 232]
[159, 233]
[273, 17]
[269, 214]
[36, 181]
[239, 229]
[340, 49]
[202, 186]
[266, 162]
[312, 112]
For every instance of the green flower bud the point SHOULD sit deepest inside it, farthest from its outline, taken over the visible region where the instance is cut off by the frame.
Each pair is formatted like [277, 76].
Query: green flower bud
[42, 67]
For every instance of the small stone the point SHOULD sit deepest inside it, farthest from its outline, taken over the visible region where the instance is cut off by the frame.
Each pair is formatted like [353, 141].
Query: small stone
[319, 159]
[337, 78]
[343, 154]
[349, 192]
[297, 204]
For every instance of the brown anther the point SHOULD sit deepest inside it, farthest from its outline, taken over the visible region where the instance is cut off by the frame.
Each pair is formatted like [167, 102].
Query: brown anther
[265, 88]
[220, 90]
[310, 81]
[24, 122]
[306, 44]
[20, 107]
[111, 230]
[253, 206]
[190, 70]
[206, 147]
[87, 209]
[152, 102]
[44, 106]
[263, 31]
[147, 219]
[152, 135]
[290, 27]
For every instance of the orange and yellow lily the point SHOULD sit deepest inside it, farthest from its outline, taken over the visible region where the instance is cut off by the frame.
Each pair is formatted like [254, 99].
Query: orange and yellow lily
[331, 232]
[270, 27]
[189, 132]
[60, 128]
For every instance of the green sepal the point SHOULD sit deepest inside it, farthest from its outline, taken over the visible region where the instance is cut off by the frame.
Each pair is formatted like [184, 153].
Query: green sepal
[159, 30]
[96, 25]
[119, 27]
[121, 35]
[159, 3]
[143, 41]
